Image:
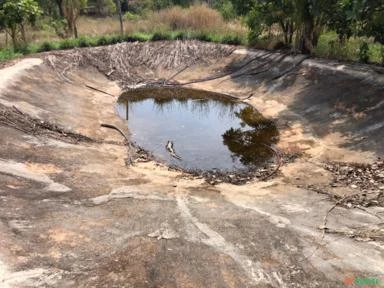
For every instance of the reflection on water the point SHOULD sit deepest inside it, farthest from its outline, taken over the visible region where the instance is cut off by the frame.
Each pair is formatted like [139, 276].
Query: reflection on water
[209, 131]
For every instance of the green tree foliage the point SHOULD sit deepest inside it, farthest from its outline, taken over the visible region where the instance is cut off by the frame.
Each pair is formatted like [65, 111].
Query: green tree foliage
[306, 19]
[243, 7]
[15, 15]
[267, 13]
[226, 9]
[104, 7]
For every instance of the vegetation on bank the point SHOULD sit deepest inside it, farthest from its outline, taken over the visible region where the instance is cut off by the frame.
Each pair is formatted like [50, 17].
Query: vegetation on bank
[93, 41]
[350, 30]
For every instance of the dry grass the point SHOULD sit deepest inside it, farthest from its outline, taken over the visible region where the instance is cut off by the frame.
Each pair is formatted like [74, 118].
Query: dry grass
[197, 18]
[98, 26]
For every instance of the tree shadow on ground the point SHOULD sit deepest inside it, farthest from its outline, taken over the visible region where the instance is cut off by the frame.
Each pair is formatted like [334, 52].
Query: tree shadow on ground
[337, 99]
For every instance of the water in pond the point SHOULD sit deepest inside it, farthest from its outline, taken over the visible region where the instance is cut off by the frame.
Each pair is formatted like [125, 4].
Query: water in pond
[209, 131]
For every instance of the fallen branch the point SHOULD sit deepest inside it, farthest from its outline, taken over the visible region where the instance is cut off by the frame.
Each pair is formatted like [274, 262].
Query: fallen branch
[18, 120]
[130, 159]
[117, 129]
[177, 73]
[279, 162]
[98, 90]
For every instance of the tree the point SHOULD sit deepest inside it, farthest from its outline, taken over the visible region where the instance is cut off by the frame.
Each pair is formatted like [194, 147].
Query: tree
[104, 7]
[15, 15]
[267, 13]
[305, 17]
[225, 7]
[311, 18]
[71, 11]
[118, 5]
[243, 7]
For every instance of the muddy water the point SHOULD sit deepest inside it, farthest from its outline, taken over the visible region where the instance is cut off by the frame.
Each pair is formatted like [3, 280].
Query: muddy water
[208, 130]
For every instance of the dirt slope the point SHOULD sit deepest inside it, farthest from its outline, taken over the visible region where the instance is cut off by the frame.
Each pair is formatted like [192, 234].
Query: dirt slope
[74, 215]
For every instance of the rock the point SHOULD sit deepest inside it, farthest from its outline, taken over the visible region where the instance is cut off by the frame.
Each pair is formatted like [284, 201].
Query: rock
[353, 186]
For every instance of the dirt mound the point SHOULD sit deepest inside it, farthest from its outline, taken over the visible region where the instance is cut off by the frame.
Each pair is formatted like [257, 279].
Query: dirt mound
[134, 63]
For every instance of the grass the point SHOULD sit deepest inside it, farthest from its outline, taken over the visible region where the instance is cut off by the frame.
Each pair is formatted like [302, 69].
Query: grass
[196, 22]
[329, 47]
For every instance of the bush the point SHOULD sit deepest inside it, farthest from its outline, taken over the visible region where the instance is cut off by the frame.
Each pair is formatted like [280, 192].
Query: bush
[204, 37]
[23, 49]
[67, 44]
[84, 42]
[141, 37]
[46, 46]
[7, 53]
[364, 52]
[159, 36]
[102, 41]
[180, 36]
[131, 16]
[232, 40]
[225, 7]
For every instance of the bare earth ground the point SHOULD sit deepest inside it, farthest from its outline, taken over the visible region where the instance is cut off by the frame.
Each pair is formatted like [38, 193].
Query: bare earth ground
[74, 215]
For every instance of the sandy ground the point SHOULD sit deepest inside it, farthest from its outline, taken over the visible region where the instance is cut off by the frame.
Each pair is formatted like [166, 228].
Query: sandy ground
[74, 215]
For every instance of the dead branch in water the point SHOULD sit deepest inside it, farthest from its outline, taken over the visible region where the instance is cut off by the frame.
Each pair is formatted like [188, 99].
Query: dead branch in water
[169, 148]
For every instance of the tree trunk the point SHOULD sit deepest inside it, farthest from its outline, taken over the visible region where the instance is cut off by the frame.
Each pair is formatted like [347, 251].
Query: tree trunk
[118, 6]
[308, 38]
[59, 4]
[23, 37]
[13, 35]
[291, 31]
[75, 30]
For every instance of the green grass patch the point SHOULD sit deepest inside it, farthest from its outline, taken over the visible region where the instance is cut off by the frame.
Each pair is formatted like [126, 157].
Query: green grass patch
[330, 47]
[86, 41]
[8, 54]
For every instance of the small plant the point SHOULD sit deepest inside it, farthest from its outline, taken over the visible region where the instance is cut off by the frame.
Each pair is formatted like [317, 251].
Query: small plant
[23, 49]
[204, 37]
[158, 36]
[102, 41]
[232, 40]
[7, 53]
[364, 52]
[46, 46]
[67, 44]
[84, 42]
[131, 16]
